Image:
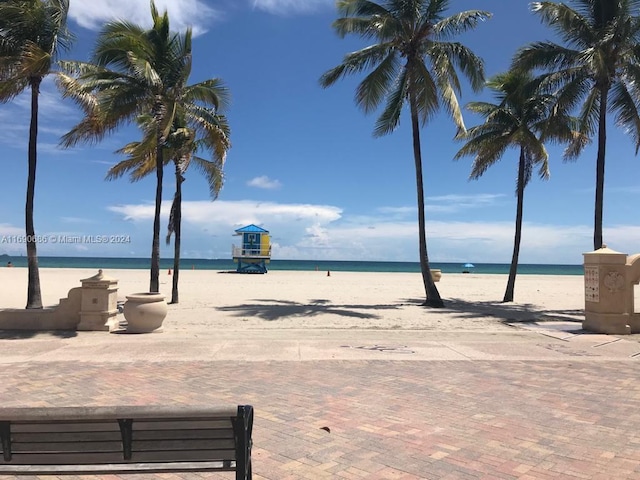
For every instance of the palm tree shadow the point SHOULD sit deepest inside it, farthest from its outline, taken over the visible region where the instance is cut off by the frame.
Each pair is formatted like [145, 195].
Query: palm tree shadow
[511, 312]
[43, 334]
[273, 310]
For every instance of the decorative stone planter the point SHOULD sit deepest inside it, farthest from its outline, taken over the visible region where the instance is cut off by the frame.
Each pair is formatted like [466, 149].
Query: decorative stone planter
[145, 312]
[436, 274]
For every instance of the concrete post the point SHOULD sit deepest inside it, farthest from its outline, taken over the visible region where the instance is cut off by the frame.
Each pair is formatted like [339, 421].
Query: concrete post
[606, 292]
[99, 303]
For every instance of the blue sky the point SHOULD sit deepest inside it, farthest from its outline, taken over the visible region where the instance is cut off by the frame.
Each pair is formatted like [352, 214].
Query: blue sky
[304, 163]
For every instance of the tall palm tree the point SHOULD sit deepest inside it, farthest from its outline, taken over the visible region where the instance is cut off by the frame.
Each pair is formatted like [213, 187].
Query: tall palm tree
[136, 72]
[599, 68]
[523, 118]
[412, 62]
[32, 34]
[207, 131]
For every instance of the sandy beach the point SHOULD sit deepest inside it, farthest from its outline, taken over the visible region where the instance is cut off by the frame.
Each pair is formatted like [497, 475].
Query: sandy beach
[315, 300]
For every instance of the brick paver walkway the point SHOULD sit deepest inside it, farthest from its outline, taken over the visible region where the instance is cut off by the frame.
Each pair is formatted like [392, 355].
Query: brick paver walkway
[387, 419]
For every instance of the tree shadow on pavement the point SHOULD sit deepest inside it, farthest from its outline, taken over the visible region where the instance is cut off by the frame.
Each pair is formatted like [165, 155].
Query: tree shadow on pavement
[271, 309]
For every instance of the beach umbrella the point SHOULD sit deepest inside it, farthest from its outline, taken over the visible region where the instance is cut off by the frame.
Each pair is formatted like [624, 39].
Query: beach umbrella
[468, 265]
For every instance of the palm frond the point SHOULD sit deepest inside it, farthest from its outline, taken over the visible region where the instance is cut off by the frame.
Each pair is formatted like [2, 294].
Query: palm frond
[390, 117]
[372, 90]
[625, 106]
[356, 62]
[573, 27]
[453, 53]
[212, 92]
[363, 8]
[490, 153]
[546, 56]
[459, 23]
[213, 174]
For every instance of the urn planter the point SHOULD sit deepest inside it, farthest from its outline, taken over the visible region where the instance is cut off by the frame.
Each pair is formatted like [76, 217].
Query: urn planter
[145, 312]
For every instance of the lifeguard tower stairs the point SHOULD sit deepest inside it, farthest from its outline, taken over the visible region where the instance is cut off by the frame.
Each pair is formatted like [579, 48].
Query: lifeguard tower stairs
[254, 253]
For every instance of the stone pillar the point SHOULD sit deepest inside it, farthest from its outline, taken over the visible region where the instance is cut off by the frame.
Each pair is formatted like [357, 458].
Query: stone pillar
[606, 292]
[99, 303]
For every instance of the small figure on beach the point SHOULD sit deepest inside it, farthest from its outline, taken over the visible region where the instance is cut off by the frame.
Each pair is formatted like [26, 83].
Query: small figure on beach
[9, 264]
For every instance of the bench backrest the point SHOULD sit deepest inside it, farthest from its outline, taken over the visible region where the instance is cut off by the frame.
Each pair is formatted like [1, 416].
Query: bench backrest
[125, 439]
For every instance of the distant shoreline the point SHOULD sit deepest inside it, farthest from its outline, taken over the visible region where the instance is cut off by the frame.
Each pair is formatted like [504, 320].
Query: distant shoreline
[293, 265]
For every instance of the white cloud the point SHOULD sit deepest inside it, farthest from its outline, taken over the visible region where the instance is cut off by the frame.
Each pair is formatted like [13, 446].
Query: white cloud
[182, 13]
[264, 182]
[235, 213]
[398, 211]
[282, 7]
[456, 203]
[305, 231]
[10, 230]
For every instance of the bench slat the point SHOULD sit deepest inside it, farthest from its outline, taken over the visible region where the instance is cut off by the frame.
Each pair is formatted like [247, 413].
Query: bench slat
[184, 455]
[159, 467]
[62, 458]
[66, 437]
[43, 414]
[83, 446]
[72, 458]
[55, 427]
[155, 434]
[169, 444]
[182, 444]
[159, 424]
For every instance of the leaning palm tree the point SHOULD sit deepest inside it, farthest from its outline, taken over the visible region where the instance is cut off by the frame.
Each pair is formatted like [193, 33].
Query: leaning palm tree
[32, 33]
[208, 131]
[412, 63]
[599, 68]
[524, 118]
[135, 72]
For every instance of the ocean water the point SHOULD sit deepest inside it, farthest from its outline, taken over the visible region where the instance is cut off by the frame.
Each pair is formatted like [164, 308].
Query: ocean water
[299, 265]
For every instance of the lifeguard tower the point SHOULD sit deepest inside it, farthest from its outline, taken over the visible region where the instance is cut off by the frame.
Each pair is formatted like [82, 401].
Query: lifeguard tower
[253, 255]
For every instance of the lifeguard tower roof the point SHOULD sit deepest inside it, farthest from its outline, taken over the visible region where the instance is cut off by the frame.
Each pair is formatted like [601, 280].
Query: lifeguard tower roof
[251, 229]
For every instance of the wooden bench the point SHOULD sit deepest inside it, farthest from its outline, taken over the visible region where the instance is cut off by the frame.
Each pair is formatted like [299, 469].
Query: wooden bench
[134, 439]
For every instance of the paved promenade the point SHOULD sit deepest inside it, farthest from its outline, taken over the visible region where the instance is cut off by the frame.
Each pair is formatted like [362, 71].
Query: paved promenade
[524, 402]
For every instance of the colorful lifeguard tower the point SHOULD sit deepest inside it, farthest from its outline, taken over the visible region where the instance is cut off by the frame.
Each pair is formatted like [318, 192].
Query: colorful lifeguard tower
[253, 255]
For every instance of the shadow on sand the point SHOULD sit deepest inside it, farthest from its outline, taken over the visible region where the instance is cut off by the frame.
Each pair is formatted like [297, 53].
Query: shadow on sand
[508, 312]
[272, 310]
[26, 334]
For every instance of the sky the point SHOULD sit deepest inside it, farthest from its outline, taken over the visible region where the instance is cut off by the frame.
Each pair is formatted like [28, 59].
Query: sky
[304, 163]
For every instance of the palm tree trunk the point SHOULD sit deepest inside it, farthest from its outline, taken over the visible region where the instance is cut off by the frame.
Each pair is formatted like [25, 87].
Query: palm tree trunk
[433, 296]
[177, 221]
[154, 285]
[34, 296]
[513, 270]
[602, 143]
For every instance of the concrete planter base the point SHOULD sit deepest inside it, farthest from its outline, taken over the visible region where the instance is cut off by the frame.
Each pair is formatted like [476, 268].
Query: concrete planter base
[145, 312]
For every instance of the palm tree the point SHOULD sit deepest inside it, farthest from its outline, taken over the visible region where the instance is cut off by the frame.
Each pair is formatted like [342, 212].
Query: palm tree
[412, 62]
[136, 72]
[32, 33]
[523, 118]
[208, 131]
[599, 68]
